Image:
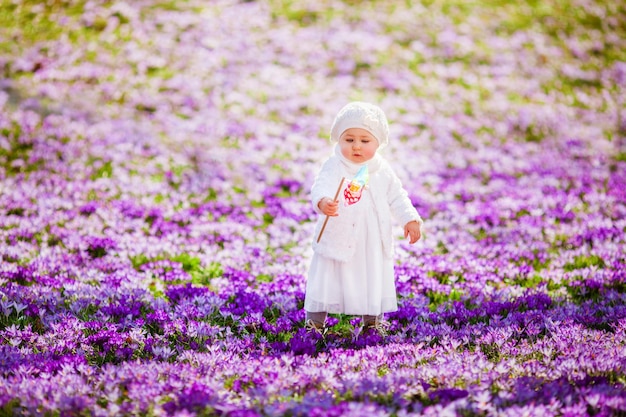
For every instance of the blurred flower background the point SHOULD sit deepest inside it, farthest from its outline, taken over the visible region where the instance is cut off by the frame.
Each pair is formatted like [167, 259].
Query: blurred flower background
[155, 229]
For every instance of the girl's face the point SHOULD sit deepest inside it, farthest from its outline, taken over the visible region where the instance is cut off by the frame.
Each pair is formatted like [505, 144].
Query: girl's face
[358, 145]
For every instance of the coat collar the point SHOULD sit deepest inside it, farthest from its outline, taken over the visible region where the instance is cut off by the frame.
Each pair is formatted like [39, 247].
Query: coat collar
[372, 165]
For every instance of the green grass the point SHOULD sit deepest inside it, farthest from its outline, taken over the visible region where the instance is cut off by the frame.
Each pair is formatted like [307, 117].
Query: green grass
[581, 262]
[31, 21]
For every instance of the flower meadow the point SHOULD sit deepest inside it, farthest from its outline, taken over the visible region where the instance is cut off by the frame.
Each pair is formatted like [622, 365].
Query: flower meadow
[155, 228]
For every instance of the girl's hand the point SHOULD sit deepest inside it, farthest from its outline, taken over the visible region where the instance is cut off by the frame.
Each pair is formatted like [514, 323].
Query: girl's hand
[328, 206]
[413, 231]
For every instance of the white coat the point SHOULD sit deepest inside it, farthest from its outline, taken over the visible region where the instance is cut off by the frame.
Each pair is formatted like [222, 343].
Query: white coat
[338, 241]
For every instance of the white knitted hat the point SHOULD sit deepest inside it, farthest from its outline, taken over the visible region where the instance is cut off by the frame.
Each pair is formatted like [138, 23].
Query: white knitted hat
[364, 116]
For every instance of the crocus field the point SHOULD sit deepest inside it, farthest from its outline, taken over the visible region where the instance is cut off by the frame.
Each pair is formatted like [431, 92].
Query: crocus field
[155, 227]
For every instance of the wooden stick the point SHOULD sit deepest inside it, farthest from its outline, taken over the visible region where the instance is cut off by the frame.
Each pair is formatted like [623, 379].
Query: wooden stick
[326, 221]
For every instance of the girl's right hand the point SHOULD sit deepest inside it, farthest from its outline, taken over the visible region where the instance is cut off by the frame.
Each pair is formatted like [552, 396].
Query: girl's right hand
[328, 206]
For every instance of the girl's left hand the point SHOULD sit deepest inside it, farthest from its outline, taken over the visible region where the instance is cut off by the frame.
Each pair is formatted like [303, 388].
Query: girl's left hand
[413, 231]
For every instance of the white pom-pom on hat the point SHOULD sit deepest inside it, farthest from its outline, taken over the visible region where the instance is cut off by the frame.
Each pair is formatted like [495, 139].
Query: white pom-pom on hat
[358, 114]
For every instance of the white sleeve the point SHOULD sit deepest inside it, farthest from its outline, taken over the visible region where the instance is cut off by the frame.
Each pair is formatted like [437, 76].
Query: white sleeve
[401, 207]
[325, 184]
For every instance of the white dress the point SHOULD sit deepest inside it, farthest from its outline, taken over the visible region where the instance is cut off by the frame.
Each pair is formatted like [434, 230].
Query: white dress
[363, 285]
[352, 270]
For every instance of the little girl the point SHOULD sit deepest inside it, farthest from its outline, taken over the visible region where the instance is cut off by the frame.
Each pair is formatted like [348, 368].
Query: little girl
[352, 267]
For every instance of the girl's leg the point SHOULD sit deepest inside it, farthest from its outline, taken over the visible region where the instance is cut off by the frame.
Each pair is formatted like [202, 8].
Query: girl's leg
[376, 323]
[316, 318]
[372, 321]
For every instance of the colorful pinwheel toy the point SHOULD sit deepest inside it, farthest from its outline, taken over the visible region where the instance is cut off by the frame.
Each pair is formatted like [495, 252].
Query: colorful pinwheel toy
[353, 191]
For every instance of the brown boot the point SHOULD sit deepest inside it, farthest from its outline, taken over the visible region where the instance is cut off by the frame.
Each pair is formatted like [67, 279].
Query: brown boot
[313, 326]
[376, 323]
